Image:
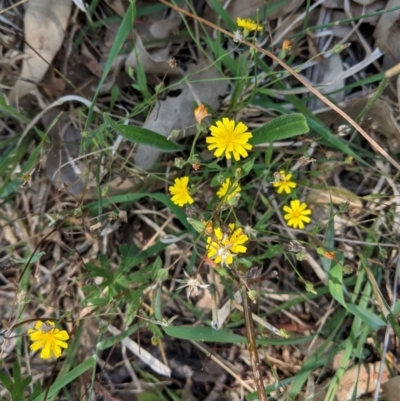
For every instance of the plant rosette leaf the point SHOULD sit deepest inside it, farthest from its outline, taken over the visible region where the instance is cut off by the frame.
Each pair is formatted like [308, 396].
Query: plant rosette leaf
[142, 136]
[280, 128]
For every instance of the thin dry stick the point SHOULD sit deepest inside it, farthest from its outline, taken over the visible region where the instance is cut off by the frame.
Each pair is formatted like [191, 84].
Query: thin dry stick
[319, 95]
[251, 340]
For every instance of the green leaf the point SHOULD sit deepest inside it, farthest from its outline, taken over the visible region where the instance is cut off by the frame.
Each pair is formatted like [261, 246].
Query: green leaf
[178, 212]
[142, 136]
[204, 334]
[247, 167]
[89, 363]
[223, 336]
[336, 284]
[336, 290]
[7, 110]
[36, 391]
[282, 127]
[366, 315]
[223, 14]
[8, 383]
[30, 259]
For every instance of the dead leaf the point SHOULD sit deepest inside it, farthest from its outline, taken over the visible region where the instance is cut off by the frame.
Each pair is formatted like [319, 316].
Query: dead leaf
[292, 20]
[391, 58]
[117, 6]
[61, 164]
[249, 9]
[176, 113]
[363, 378]
[356, 9]
[364, 2]
[90, 61]
[328, 71]
[152, 49]
[385, 23]
[380, 117]
[392, 389]
[336, 195]
[45, 24]
[155, 61]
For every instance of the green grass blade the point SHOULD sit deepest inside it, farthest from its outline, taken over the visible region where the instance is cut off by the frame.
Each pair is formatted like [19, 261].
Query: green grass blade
[61, 383]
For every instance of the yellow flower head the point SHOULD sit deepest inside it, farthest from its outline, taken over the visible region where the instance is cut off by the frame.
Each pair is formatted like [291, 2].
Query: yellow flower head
[180, 192]
[297, 214]
[200, 113]
[248, 24]
[47, 336]
[228, 137]
[283, 183]
[228, 191]
[222, 247]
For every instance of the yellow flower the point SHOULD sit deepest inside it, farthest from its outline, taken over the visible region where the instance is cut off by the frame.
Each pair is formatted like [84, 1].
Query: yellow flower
[283, 183]
[200, 113]
[296, 214]
[248, 24]
[222, 246]
[228, 138]
[180, 192]
[228, 191]
[47, 336]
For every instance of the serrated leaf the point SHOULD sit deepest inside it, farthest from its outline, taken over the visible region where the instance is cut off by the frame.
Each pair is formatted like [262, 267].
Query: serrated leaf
[142, 136]
[280, 128]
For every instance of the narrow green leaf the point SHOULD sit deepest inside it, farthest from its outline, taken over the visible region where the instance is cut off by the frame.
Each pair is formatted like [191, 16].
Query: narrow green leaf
[204, 334]
[336, 284]
[223, 14]
[223, 336]
[247, 166]
[30, 259]
[142, 136]
[9, 111]
[61, 383]
[8, 383]
[366, 315]
[336, 290]
[178, 212]
[280, 128]
[36, 391]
